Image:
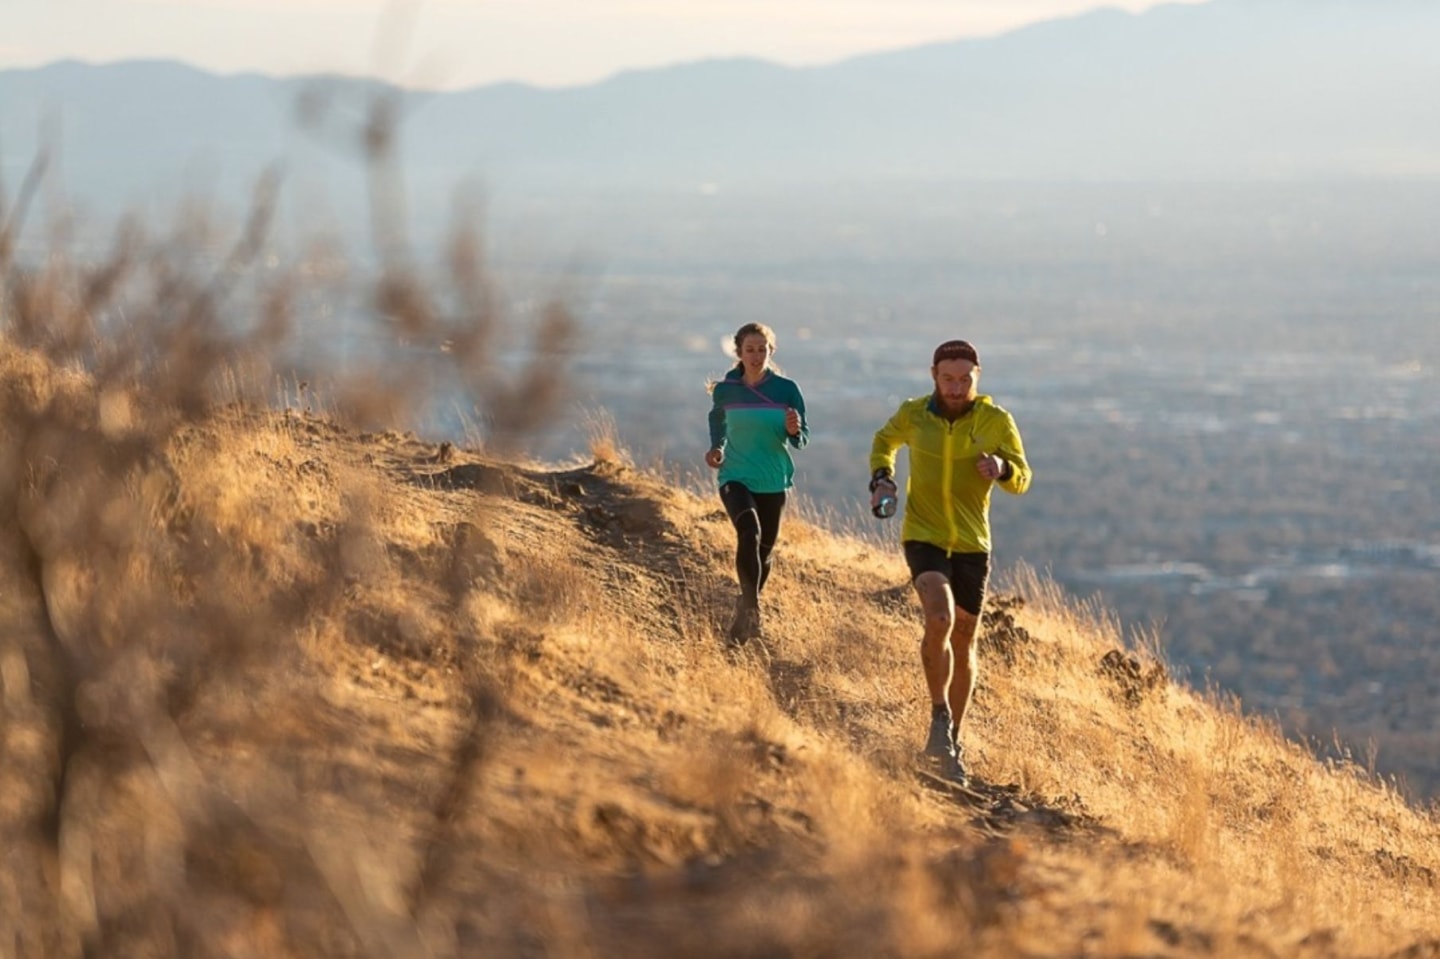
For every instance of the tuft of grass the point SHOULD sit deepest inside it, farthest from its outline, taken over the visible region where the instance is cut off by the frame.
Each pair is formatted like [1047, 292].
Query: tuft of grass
[604, 440]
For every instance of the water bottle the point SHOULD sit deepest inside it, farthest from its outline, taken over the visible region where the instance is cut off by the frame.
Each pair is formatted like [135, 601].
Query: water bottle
[886, 507]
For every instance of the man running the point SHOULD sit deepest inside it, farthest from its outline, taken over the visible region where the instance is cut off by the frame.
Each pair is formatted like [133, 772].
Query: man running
[961, 444]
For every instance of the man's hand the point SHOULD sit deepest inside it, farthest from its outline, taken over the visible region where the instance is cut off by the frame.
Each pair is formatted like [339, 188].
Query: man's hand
[714, 458]
[883, 487]
[792, 421]
[989, 466]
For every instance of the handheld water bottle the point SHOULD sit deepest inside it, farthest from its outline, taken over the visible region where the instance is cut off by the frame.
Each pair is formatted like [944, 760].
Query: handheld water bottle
[884, 507]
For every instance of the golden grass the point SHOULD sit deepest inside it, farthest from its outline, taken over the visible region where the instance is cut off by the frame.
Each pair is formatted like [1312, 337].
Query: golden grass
[495, 689]
[278, 678]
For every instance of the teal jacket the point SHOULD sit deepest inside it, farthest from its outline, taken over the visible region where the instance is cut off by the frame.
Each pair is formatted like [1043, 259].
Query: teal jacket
[748, 424]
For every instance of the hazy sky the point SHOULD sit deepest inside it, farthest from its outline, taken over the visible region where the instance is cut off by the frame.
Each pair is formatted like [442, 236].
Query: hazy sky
[460, 43]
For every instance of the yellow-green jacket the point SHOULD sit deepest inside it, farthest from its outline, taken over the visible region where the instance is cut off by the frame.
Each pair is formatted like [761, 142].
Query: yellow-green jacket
[947, 503]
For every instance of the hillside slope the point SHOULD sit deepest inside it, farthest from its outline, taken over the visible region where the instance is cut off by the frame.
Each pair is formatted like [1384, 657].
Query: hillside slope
[276, 687]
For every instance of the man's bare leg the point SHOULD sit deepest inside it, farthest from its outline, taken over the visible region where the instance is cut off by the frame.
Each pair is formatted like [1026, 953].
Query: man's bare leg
[938, 603]
[962, 684]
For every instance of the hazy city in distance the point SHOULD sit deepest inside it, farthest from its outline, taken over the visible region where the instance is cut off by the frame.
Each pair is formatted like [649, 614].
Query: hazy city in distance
[1210, 299]
[1226, 396]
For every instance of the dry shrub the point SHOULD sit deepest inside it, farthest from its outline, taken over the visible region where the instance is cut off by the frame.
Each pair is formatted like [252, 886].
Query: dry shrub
[172, 553]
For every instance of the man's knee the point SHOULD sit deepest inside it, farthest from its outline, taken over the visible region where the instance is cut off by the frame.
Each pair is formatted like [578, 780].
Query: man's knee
[938, 622]
[936, 601]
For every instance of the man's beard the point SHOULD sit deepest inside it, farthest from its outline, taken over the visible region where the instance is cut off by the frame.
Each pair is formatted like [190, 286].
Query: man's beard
[956, 404]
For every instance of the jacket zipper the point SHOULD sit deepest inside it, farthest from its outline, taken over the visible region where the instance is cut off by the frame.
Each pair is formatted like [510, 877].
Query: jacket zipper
[947, 474]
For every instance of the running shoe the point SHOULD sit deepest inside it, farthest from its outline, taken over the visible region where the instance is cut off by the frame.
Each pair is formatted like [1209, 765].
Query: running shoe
[940, 745]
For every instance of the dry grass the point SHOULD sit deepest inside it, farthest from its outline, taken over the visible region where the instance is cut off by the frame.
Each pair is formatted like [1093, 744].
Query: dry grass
[278, 678]
[399, 706]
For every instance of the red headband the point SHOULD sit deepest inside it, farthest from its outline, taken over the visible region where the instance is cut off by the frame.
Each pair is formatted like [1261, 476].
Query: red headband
[955, 350]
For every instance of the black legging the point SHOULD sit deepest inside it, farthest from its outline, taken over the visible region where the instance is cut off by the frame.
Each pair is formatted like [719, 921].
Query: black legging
[757, 526]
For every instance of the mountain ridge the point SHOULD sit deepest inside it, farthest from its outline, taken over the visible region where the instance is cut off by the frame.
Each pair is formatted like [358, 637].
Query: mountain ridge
[1204, 91]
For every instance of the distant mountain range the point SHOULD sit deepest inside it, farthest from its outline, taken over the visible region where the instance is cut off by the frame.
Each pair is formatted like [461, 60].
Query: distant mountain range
[1230, 89]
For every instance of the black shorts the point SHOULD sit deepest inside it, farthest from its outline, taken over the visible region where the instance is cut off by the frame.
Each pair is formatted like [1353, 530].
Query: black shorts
[968, 573]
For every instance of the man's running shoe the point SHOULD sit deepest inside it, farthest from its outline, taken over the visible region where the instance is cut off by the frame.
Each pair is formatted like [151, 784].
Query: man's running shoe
[939, 745]
[953, 767]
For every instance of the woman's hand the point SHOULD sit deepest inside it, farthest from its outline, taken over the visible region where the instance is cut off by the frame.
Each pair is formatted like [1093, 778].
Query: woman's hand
[714, 458]
[792, 421]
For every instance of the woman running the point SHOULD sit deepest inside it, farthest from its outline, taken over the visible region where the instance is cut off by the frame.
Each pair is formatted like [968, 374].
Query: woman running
[756, 417]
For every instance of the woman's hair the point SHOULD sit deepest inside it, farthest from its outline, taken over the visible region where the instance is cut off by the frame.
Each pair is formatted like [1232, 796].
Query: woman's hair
[753, 329]
[750, 329]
